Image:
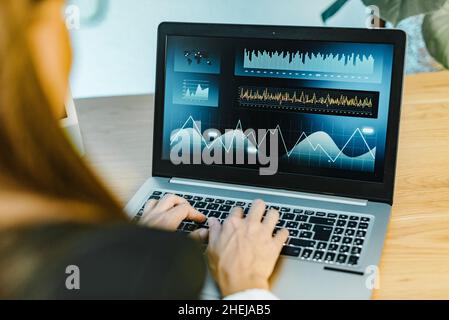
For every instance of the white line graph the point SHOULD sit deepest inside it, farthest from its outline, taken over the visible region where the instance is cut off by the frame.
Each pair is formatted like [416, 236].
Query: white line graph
[297, 61]
[251, 135]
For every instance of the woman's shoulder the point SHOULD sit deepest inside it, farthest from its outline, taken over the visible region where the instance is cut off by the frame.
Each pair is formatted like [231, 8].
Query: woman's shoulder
[111, 258]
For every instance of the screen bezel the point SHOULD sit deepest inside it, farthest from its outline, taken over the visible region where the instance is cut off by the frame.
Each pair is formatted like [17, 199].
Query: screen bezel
[369, 190]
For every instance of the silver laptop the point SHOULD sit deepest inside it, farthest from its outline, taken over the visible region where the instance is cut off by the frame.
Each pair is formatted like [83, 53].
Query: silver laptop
[304, 118]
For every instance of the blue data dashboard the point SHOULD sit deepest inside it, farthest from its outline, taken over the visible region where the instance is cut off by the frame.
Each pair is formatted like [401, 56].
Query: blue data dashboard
[328, 101]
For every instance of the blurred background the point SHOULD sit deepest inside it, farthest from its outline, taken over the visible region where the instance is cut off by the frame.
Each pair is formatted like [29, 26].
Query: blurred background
[115, 40]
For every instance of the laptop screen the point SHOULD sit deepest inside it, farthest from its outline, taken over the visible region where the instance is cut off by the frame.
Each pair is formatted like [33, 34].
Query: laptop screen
[295, 107]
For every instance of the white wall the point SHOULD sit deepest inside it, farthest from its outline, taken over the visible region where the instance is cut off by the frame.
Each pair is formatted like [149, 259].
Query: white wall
[118, 56]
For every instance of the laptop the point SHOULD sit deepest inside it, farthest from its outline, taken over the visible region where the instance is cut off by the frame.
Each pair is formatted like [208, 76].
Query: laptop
[306, 119]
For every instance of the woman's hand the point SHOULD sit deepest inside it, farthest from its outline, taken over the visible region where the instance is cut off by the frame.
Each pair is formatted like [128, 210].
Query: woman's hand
[243, 252]
[169, 212]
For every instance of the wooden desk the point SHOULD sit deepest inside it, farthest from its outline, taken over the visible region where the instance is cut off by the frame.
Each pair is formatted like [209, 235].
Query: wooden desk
[415, 263]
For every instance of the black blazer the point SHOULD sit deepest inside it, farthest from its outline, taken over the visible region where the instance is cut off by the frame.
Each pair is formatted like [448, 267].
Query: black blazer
[120, 261]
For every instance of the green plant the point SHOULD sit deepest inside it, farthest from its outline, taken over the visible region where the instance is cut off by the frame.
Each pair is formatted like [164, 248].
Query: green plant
[435, 27]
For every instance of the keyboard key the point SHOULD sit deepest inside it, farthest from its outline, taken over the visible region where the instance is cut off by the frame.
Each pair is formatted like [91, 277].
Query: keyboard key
[341, 258]
[321, 214]
[343, 216]
[154, 198]
[212, 206]
[190, 227]
[229, 202]
[225, 208]
[353, 260]
[191, 202]
[240, 204]
[224, 215]
[179, 195]
[358, 242]
[360, 234]
[356, 250]
[354, 218]
[321, 246]
[292, 224]
[365, 219]
[293, 233]
[280, 223]
[204, 225]
[298, 211]
[288, 216]
[274, 207]
[181, 226]
[302, 218]
[306, 234]
[318, 255]
[344, 249]
[349, 232]
[338, 231]
[284, 209]
[305, 226]
[363, 225]
[306, 253]
[347, 240]
[214, 214]
[309, 212]
[341, 223]
[200, 205]
[336, 239]
[322, 233]
[204, 211]
[246, 211]
[209, 200]
[332, 215]
[352, 224]
[330, 256]
[302, 243]
[220, 201]
[188, 197]
[325, 221]
[332, 247]
[157, 193]
[291, 251]
[198, 198]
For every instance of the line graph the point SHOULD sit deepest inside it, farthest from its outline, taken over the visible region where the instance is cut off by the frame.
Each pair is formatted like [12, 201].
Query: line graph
[311, 100]
[315, 62]
[195, 90]
[317, 142]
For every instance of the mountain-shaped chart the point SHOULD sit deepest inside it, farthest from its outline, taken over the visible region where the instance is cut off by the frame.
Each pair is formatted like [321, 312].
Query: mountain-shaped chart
[317, 149]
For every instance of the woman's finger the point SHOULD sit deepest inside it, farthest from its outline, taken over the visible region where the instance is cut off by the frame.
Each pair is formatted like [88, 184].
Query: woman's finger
[169, 201]
[271, 219]
[186, 212]
[236, 212]
[200, 235]
[214, 231]
[281, 238]
[150, 205]
[256, 212]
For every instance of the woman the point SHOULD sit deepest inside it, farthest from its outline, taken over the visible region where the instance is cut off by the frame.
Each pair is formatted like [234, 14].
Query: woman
[54, 213]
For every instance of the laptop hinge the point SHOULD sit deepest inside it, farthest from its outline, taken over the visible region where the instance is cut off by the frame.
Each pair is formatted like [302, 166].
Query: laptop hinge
[267, 191]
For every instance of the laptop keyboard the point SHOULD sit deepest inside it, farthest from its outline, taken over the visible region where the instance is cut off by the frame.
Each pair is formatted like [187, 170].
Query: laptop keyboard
[315, 235]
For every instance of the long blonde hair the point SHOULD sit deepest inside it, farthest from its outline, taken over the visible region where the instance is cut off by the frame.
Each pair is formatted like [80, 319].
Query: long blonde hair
[35, 156]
